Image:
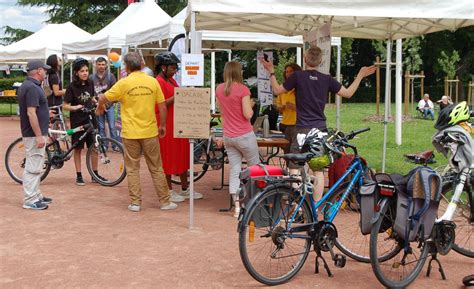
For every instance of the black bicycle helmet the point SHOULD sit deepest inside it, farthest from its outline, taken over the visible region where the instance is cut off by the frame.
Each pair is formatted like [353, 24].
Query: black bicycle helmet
[443, 119]
[166, 58]
[78, 63]
[452, 115]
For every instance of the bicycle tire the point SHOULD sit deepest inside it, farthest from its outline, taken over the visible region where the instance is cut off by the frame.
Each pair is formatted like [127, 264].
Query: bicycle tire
[395, 266]
[112, 164]
[17, 145]
[259, 238]
[350, 240]
[464, 240]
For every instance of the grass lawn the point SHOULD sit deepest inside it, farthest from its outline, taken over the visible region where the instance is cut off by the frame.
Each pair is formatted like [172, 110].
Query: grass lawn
[416, 136]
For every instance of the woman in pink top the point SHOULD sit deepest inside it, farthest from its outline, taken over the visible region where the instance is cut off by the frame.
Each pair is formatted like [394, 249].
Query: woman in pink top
[239, 140]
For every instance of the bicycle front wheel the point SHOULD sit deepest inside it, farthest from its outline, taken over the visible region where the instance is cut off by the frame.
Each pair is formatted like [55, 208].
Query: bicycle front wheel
[464, 219]
[350, 240]
[270, 253]
[15, 161]
[110, 163]
[405, 264]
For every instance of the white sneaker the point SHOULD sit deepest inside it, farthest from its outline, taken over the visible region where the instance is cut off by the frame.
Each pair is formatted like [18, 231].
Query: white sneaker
[185, 194]
[236, 212]
[170, 206]
[175, 197]
[134, 208]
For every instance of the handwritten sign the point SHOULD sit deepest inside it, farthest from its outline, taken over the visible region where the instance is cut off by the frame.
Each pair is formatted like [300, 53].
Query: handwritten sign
[264, 85]
[322, 39]
[192, 66]
[191, 112]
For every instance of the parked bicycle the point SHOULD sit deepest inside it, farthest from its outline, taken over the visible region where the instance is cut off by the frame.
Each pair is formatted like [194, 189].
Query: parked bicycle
[111, 165]
[278, 226]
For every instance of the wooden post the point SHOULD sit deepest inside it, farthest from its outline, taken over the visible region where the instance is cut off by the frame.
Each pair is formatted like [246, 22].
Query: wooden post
[422, 84]
[377, 80]
[407, 94]
[457, 88]
[470, 87]
[446, 86]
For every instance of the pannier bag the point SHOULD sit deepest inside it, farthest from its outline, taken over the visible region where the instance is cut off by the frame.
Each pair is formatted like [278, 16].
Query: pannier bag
[384, 186]
[417, 207]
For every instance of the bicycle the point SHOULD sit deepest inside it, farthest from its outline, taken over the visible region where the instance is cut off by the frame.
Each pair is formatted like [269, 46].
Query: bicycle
[111, 164]
[278, 226]
[207, 155]
[453, 229]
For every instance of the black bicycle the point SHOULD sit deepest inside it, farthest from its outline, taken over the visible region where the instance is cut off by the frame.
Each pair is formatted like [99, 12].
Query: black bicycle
[110, 163]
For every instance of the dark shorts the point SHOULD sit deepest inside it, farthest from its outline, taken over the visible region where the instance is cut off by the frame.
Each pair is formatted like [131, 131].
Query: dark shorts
[294, 144]
[289, 132]
[89, 140]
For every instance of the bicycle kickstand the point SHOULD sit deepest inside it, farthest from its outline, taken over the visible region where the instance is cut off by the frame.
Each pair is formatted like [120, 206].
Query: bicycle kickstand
[316, 269]
[434, 257]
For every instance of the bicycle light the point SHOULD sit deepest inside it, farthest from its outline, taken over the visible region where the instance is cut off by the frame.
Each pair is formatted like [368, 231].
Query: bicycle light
[260, 184]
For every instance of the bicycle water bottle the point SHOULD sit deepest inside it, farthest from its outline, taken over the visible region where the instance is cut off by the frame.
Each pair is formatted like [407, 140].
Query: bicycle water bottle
[266, 127]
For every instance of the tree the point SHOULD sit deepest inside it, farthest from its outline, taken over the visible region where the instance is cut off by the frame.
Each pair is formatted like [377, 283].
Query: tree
[448, 63]
[13, 35]
[411, 50]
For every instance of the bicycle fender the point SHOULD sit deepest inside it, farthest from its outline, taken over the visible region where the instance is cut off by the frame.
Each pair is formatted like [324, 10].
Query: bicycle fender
[384, 202]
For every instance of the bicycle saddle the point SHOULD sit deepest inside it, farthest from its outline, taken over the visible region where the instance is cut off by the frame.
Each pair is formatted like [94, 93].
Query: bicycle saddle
[298, 157]
[421, 157]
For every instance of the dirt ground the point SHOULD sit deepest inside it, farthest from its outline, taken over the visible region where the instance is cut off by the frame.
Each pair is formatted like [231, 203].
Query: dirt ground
[88, 239]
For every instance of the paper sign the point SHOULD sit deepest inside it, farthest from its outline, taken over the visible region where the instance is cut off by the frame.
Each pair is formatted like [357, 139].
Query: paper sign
[322, 39]
[264, 85]
[191, 112]
[192, 68]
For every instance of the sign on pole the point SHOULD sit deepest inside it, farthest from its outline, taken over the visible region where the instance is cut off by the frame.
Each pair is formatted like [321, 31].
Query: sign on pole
[264, 85]
[192, 66]
[192, 114]
[322, 39]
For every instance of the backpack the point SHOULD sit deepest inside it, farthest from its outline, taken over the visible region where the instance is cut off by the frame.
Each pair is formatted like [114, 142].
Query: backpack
[46, 87]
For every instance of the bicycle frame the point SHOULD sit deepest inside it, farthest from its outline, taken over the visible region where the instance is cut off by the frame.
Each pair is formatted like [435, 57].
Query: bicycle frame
[448, 214]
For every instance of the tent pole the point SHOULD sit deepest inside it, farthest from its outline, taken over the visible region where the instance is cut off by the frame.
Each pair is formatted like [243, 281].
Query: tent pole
[191, 141]
[398, 94]
[229, 55]
[213, 81]
[387, 100]
[298, 55]
[338, 78]
[62, 69]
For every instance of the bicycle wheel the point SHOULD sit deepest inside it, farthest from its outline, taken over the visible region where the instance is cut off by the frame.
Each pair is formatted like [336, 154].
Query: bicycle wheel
[15, 160]
[204, 159]
[464, 219]
[403, 268]
[269, 253]
[110, 163]
[350, 240]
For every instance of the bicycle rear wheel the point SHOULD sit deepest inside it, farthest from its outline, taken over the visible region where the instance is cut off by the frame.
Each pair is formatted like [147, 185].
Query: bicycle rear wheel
[350, 240]
[404, 266]
[110, 163]
[15, 160]
[464, 219]
[268, 251]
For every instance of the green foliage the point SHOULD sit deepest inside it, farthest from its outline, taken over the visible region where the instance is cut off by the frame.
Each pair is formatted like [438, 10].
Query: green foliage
[381, 47]
[284, 57]
[448, 63]
[6, 83]
[411, 51]
[172, 7]
[13, 35]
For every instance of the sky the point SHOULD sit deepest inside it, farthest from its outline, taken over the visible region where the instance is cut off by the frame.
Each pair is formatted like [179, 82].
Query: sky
[28, 18]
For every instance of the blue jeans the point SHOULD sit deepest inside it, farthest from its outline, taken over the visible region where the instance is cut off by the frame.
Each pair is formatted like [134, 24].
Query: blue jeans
[110, 116]
[427, 112]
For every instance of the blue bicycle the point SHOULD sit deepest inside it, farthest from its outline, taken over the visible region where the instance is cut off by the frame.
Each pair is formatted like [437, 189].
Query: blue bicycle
[278, 226]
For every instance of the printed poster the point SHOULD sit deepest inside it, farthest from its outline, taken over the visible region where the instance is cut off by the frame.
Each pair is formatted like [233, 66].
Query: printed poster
[264, 85]
[192, 66]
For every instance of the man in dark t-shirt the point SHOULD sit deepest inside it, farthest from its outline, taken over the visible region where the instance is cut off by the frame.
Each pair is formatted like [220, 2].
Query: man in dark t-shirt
[312, 88]
[34, 121]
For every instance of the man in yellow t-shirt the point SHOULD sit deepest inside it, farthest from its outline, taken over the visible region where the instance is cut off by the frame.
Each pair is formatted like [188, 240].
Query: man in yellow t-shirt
[138, 93]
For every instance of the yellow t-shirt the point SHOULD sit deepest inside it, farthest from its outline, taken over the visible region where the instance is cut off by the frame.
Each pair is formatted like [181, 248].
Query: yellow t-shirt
[137, 93]
[289, 115]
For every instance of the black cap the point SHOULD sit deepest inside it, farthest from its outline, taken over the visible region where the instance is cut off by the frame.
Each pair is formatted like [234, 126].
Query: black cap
[35, 64]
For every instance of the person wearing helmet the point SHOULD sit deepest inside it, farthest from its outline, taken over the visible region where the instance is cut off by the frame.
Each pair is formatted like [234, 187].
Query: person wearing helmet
[80, 93]
[174, 151]
[138, 94]
[312, 88]
[452, 115]
[426, 106]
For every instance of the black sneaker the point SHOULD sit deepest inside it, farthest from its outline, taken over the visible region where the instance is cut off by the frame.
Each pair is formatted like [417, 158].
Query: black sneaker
[80, 181]
[100, 178]
[36, 206]
[46, 200]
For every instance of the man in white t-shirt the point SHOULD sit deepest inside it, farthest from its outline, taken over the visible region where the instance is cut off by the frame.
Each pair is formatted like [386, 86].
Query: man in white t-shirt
[426, 106]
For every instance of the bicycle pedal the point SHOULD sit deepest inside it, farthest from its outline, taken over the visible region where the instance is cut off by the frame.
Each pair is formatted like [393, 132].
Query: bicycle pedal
[339, 261]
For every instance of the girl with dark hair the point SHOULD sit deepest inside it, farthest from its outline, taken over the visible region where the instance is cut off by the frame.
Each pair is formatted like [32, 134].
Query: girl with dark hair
[80, 93]
[54, 81]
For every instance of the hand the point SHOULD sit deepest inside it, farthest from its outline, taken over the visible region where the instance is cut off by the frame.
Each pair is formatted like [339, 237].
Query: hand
[219, 142]
[366, 71]
[267, 65]
[40, 142]
[162, 131]
[290, 105]
[78, 107]
[100, 109]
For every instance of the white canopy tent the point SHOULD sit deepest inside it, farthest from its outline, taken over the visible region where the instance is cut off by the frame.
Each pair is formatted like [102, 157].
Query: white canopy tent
[136, 17]
[357, 18]
[48, 40]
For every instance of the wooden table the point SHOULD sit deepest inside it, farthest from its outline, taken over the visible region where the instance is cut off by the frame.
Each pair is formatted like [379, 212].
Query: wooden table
[278, 143]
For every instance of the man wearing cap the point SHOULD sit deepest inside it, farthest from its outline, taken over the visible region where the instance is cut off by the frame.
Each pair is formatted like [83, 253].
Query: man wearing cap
[34, 120]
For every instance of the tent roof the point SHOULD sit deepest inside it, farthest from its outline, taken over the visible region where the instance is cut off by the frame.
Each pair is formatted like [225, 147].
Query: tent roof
[213, 39]
[369, 19]
[48, 40]
[136, 17]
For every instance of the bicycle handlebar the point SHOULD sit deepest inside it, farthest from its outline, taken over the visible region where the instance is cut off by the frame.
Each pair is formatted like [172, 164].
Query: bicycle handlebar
[353, 133]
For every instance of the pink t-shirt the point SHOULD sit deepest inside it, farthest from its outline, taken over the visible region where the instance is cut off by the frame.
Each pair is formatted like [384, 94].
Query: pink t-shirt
[235, 124]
